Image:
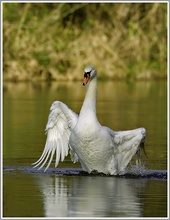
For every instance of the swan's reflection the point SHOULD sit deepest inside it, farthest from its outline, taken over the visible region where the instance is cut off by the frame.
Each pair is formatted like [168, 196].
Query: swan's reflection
[87, 196]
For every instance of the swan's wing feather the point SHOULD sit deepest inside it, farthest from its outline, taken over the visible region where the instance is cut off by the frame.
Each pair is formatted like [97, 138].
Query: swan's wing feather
[127, 144]
[74, 156]
[60, 123]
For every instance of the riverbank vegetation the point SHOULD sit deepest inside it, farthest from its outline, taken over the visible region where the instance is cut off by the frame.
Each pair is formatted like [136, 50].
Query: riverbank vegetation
[55, 41]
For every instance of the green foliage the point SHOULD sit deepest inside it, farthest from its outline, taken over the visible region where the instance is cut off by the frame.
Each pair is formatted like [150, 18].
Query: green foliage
[123, 40]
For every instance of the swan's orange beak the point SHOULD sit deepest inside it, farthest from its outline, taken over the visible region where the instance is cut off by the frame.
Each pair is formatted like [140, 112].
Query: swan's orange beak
[86, 79]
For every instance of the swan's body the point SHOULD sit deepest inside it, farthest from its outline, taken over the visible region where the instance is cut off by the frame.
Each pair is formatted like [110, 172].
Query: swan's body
[98, 148]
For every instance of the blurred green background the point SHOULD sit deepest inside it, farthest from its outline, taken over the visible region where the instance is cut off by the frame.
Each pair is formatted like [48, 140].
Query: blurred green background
[55, 41]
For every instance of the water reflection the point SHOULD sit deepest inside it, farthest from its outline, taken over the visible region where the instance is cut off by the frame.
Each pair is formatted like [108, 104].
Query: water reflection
[91, 196]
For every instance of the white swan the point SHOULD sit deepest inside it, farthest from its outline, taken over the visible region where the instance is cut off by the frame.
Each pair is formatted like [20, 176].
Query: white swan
[98, 148]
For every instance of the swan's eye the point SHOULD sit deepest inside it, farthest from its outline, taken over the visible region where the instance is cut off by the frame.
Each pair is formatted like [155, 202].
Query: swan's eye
[86, 74]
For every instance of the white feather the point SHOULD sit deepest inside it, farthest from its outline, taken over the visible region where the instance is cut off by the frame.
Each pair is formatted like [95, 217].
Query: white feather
[60, 123]
[96, 147]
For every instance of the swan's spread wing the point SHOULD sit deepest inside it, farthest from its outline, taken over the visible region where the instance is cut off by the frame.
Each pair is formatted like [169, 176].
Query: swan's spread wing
[127, 144]
[61, 121]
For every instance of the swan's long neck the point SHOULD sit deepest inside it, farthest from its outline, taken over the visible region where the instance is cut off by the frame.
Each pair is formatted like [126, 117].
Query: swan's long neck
[89, 104]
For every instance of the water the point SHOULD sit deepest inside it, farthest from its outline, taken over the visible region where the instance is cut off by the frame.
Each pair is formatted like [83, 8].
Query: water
[120, 106]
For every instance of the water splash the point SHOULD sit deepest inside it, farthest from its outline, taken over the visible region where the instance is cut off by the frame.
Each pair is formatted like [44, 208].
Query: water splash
[137, 170]
[142, 171]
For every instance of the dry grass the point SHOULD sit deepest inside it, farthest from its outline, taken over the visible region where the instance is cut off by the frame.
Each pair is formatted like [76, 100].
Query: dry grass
[55, 41]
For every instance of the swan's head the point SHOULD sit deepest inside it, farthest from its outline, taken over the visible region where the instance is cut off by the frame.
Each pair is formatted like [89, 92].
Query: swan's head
[89, 73]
